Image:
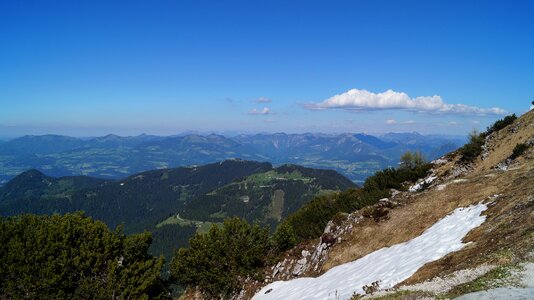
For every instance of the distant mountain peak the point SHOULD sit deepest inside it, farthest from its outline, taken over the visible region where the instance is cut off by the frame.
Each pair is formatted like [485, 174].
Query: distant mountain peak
[31, 173]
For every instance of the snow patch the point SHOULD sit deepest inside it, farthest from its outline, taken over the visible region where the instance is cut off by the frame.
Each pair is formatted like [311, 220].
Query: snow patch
[439, 161]
[416, 187]
[389, 266]
[459, 180]
[527, 275]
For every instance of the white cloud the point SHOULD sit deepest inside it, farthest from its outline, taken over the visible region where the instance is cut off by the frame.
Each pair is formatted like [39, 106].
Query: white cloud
[264, 111]
[452, 123]
[394, 122]
[362, 100]
[263, 100]
[475, 122]
[269, 120]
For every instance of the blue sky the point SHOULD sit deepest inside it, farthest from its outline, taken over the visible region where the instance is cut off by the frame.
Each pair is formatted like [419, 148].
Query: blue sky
[164, 67]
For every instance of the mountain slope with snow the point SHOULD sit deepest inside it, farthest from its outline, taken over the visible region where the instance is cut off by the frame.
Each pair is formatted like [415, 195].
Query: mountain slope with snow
[499, 175]
[388, 266]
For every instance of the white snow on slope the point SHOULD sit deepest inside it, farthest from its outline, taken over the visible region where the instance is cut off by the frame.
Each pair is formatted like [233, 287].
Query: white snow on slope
[419, 185]
[387, 265]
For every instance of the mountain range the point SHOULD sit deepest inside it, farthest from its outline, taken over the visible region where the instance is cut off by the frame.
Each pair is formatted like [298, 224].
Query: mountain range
[112, 157]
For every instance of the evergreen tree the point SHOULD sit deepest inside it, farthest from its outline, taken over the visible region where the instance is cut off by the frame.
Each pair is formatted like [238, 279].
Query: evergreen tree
[75, 257]
[215, 261]
[283, 238]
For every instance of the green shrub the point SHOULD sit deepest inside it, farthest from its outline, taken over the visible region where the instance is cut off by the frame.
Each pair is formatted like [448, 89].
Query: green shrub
[473, 148]
[519, 149]
[75, 257]
[500, 124]
[339, 218]
[215, 261]
[283, 238]
[394, 178]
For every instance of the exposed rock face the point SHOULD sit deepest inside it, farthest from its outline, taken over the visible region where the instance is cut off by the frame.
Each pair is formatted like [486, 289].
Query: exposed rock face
[328, 239]
[486, 148]
[504, 165]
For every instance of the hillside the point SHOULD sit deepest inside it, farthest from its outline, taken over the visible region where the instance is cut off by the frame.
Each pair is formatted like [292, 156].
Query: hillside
[267, 197]
[174, 203]
[113, 157]
[135, 201]
[495, 190]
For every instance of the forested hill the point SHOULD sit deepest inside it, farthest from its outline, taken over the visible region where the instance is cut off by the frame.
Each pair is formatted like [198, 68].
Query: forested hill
[254, 190]
[136, 200]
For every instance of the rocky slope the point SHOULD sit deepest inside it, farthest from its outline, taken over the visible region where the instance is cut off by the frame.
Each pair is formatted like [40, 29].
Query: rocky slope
[498, 251]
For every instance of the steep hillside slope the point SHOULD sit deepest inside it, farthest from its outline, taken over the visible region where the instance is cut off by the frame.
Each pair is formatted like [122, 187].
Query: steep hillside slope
[494, 252]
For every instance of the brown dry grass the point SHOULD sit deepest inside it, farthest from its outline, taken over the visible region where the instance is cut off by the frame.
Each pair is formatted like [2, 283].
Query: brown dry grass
[409, 221]
[504, 142]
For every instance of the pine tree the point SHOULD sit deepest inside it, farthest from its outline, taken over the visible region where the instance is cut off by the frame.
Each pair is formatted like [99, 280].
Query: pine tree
[75, 257]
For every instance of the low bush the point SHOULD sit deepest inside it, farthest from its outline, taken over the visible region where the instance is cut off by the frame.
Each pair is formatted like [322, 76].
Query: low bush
[75, 257]
[473, 148]
[519, 149]
[216, 261]
[283, 238]
[500, 124]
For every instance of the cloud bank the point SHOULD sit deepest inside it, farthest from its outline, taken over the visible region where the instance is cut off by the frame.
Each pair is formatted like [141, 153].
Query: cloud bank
[363, 100]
